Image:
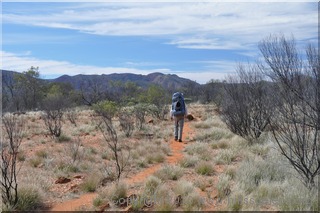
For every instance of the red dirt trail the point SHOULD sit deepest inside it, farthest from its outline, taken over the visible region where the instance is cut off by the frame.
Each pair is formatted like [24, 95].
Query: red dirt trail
[176, 155]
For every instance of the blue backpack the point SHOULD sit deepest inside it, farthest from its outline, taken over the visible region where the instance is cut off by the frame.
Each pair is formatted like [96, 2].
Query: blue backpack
[178, 105]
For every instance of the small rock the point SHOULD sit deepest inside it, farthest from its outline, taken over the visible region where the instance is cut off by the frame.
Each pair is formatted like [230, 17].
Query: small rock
[150, 121]
[178, 201]
[62, 180]
[190, 117]
[78, 177]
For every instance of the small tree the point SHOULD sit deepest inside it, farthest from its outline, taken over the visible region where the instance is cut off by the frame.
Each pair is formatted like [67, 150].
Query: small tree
[53, 107]
[13, 127]
[107, 110]
[156, 96]
[92, 91]
[140, 111]
[72, 115]
[296, 126]
[29, 87]
[246, 108]
[126, 120]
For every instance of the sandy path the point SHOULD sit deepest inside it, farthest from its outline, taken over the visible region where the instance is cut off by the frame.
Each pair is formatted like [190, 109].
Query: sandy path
[86, 199]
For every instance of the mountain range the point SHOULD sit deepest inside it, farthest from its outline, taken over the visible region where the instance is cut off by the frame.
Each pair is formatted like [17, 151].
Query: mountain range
[168, 81]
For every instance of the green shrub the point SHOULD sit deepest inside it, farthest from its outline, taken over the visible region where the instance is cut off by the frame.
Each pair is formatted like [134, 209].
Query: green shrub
[204, 168]
[29, 199]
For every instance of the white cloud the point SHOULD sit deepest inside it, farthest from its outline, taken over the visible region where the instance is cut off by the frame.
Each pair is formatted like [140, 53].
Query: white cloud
[53, 69]
[228, 25]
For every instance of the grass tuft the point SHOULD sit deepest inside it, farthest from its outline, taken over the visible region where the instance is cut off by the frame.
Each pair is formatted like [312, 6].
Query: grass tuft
[29, 199]
[117, 192]
[193, 202]
[169, 172]
[204, 168]
[151, 185]
[189, 161]
[90, 184]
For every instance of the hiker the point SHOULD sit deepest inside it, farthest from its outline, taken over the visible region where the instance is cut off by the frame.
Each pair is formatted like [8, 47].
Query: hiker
[178, 112]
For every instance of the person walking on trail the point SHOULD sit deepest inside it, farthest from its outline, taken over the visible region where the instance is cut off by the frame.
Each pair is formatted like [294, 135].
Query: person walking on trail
[178, 112]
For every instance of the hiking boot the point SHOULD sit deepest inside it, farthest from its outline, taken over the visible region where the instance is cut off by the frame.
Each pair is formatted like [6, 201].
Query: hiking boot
[175, 138]
[180, 140]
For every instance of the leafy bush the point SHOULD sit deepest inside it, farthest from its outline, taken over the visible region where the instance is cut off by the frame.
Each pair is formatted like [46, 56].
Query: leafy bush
[107, 109]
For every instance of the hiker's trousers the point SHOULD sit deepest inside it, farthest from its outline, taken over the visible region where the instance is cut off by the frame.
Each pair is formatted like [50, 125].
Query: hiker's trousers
[178, 127]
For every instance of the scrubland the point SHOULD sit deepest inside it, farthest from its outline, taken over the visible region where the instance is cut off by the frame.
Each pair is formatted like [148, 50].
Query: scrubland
[218, 170]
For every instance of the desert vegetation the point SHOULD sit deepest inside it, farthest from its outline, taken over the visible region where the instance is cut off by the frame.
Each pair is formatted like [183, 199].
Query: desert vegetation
[253, 143]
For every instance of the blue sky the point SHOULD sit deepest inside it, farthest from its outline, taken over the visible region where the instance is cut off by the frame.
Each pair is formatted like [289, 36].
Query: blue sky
[199, 41]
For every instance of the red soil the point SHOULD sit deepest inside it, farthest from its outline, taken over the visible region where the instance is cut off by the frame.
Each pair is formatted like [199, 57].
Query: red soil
[86, 199]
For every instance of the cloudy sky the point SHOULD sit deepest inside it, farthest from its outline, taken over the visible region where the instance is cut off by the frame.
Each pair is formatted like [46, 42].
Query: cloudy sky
[199, 41]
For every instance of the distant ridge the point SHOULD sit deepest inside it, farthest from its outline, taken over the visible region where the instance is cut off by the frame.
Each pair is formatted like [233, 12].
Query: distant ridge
[168, 81]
